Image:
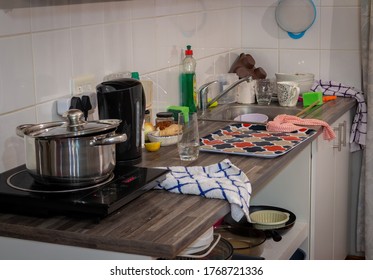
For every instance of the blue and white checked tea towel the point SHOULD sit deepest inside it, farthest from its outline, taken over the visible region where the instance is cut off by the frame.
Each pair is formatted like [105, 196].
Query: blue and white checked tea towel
[222, 180]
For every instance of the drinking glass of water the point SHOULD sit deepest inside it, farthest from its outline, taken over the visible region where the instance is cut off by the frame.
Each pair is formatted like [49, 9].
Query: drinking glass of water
[188, 145]
[264, 90]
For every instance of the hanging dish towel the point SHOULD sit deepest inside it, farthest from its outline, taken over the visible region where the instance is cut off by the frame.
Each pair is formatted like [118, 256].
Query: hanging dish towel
[287, 123]
[359, 125]
[222, 180]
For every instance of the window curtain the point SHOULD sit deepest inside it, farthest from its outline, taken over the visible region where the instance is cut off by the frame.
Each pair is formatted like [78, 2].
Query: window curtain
[364, 242]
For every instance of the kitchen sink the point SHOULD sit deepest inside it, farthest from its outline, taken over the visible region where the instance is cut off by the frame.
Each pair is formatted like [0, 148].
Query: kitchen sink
[231, 111]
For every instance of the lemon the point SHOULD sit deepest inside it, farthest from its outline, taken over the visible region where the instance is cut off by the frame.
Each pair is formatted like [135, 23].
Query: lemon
[152, 146]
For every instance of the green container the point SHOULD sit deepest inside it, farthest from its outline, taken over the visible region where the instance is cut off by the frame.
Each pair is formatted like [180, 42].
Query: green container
[178, 109]
[311, 97]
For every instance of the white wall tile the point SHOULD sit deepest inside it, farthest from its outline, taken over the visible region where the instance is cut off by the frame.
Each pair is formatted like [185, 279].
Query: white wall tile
[88, 51]
[234, 55]
[118, 47]
[84, 14]
[259, 3]
[168, 89]
[172, 7]
[217, 4]
[12, 151]
[205, 68]
[299, 61]
[47, 112]
[217, 31]
[143, 9]
[259, 27]
[144, 45]
[173, 34]
[337, 32]
[341, 66]
[265, 58]
[14, 21]
[340, 3]
[16, 72]
[49, 18]
[273, 3]
[52, 64]
[117, 11]
[222, 64]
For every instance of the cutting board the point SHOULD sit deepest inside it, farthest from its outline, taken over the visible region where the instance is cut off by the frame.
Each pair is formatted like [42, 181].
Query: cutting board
[253, 140]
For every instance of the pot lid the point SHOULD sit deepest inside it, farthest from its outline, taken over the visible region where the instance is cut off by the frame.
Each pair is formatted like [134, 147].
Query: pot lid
[73, 127]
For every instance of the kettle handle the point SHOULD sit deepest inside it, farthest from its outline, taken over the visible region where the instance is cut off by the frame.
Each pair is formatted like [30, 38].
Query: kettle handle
[114, 139]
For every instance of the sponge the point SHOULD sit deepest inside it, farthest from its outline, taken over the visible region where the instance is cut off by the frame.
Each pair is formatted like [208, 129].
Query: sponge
[178, 109]
[311, 97]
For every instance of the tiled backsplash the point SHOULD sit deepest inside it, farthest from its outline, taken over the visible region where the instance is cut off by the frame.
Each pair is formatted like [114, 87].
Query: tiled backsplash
[42, 48]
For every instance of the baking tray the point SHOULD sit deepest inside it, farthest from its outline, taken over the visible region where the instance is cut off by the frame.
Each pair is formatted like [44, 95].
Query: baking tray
[253, 140]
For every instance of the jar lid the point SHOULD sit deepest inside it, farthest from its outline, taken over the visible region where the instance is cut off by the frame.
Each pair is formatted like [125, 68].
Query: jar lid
[73, 127]
[165, 115]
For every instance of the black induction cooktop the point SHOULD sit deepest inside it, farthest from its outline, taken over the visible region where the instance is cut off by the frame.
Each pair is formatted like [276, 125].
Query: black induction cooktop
[21, 194]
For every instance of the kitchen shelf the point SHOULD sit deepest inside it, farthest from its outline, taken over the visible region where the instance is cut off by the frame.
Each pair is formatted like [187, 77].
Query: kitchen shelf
[290, 242]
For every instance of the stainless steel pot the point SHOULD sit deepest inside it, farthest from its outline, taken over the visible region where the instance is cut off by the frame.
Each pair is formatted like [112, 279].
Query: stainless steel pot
[74, 153]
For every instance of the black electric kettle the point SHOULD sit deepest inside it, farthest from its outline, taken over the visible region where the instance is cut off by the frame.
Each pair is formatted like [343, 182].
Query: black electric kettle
[124, 99]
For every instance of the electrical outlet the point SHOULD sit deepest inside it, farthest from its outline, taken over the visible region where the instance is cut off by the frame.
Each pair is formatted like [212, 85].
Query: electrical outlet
[83, 84]
[63, 104]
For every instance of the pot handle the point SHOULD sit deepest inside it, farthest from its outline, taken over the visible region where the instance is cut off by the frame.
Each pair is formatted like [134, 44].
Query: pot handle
[114, 139]
[275, 235]
[20, 130]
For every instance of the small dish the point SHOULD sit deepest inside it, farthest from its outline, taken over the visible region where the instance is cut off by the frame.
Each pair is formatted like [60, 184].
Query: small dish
[252, 118]
[269, 219]
[165, 140]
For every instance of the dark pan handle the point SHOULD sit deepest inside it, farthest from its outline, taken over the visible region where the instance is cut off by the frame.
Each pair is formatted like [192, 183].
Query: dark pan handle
[275, 235]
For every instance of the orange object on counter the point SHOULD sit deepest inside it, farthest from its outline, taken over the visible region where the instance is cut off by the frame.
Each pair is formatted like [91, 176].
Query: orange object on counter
[328, 98]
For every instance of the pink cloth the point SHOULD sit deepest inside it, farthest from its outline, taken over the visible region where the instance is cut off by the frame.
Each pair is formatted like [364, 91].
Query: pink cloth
[287, 123]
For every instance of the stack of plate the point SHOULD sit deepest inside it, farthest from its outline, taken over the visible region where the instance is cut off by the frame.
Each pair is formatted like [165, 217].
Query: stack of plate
[304, 80]
[201, 243]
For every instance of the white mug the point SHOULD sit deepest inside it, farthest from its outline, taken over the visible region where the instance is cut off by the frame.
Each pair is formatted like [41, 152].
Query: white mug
[287, 93]
[246, 93]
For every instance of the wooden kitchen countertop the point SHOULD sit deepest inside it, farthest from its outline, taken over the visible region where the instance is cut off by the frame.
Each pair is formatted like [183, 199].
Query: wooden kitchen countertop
[159, 224]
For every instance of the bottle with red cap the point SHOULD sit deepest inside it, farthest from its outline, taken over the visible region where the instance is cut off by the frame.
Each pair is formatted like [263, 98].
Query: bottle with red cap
[188, 81]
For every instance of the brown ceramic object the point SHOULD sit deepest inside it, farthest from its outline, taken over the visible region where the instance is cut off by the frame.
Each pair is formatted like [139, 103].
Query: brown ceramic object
[243, 72]
[248, 61]
[259, 73]
[235, 65]
[244, 60]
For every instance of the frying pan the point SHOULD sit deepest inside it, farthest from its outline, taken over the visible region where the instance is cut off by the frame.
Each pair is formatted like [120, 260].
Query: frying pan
[274, 233]
[248, 242]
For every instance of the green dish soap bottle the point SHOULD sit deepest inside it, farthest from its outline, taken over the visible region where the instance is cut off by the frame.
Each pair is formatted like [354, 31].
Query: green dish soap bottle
[188, 81]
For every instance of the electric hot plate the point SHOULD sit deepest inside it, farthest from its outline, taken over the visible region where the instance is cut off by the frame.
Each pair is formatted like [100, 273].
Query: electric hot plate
[21, 194]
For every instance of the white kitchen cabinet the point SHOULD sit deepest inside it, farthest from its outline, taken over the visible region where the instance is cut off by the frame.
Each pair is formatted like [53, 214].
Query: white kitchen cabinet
[290, 190]
[314, 186]
[329, 193]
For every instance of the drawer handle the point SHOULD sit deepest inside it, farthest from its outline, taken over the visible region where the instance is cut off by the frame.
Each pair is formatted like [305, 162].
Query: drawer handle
[342, 136]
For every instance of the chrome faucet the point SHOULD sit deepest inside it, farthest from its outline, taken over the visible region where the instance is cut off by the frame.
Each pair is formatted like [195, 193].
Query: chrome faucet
[203, 103]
